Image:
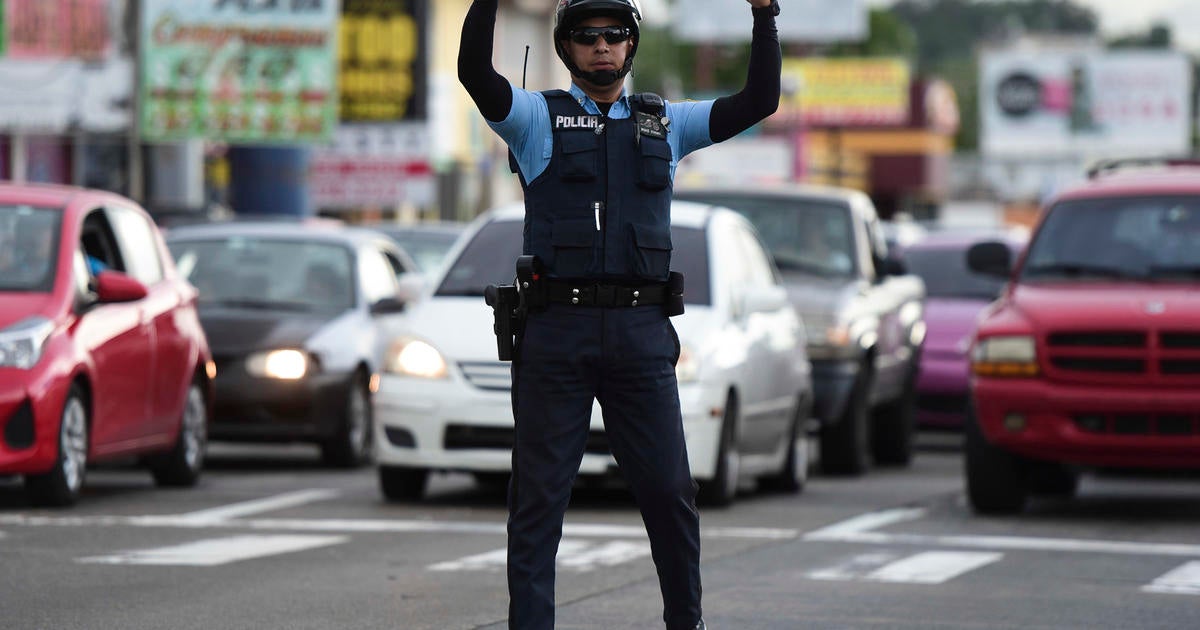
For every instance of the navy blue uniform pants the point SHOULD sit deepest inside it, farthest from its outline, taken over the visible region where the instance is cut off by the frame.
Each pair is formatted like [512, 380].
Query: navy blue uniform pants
[624, 358]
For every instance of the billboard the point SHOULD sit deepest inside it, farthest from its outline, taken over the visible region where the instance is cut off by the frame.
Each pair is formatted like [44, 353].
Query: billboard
[373, 165]
[845, 92]
[799, 21]
[51, 29]
[238, 71]
[1087, 103]
[382, 60]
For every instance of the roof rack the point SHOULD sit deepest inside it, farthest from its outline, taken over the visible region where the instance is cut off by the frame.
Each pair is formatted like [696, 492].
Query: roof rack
[1102, 167]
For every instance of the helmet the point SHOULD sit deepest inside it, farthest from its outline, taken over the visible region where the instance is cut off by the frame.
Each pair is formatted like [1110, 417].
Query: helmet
[572, 12]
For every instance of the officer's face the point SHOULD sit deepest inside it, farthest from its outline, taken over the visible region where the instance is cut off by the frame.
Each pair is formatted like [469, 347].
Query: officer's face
[599, 56]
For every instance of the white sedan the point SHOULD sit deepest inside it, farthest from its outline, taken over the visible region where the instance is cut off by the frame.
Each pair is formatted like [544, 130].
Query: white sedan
[744, 378]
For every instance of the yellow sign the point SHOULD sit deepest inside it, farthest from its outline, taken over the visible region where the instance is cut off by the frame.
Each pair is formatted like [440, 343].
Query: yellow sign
[846, 91]
[382, 60]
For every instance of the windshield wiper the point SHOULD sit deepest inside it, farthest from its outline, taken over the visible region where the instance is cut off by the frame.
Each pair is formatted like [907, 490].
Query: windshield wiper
[807, 267]
[265, 305]
[1081, 269]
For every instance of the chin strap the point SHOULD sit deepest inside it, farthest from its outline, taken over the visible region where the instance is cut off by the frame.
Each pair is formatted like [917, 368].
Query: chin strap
[602, 78]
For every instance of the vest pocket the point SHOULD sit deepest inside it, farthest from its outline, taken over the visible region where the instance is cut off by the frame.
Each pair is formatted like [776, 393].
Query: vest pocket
[580, 153]
[573, 241]
[652, 256]
[654, 170]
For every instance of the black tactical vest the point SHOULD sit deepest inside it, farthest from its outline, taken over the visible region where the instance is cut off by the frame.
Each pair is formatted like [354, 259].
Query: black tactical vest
[602, 208]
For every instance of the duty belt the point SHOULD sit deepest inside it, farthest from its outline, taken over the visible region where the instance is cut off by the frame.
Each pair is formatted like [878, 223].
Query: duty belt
[603, 295]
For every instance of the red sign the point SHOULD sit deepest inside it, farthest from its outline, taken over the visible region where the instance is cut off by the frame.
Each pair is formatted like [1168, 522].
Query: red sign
[41, 29]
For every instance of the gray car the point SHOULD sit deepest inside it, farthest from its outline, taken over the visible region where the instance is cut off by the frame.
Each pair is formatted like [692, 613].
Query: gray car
[862, 311]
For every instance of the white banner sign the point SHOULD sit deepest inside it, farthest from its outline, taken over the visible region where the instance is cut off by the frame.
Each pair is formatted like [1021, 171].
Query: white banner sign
[373, 165]
[1088, 103]
[52, 96]
[799, 21]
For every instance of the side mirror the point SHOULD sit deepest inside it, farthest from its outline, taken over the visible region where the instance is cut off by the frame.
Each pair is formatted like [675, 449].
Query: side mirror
[763, 299]
[991, 258]
[892, 267]
[114, 286]
[388, 306]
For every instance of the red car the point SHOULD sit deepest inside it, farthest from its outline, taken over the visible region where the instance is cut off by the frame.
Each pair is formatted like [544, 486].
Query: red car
[1091, 358]
[101, 351]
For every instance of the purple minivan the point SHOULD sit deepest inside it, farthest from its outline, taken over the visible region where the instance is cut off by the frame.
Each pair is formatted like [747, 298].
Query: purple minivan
[955, 295]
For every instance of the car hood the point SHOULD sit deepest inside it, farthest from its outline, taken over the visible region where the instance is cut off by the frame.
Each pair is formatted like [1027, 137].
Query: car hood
[816, 294]
[237, 331]
[1108, 305]
[950, 322]
[19, 306]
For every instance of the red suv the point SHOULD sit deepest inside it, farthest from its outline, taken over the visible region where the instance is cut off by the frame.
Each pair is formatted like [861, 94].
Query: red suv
[101, 352]
[1091, 357]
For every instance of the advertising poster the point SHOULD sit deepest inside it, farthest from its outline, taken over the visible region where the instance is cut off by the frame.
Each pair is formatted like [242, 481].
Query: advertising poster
[239, 72]
[382, 58]
[55, 29]
[845, 92]
[373, 166]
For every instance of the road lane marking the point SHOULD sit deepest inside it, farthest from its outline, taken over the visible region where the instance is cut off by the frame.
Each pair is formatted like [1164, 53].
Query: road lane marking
[854, 567]
[217, 551]
[258, 506]
[573, 555]
[864, 523]
[1182, 580]
[933, 567]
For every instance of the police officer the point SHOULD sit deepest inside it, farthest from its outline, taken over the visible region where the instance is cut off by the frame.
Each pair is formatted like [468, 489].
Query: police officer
[597, 166]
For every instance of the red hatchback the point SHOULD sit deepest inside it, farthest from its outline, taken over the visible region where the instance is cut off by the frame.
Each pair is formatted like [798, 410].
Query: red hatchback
[101, 352]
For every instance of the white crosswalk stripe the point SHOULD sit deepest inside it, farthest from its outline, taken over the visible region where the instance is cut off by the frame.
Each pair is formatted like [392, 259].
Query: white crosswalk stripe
[217, 551]
[928, 567]
[573, 555]
[1182, 580]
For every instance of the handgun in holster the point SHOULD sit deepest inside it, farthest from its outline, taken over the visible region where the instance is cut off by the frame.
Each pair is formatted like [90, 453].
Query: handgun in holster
[511, 304]
[673, 300]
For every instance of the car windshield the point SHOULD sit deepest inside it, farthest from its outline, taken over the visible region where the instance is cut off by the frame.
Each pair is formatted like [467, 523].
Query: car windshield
[28, 247]
[491, 256]
[268, 273]
[1130, 238]
[945, 273]
[806, 235]
[427, 249]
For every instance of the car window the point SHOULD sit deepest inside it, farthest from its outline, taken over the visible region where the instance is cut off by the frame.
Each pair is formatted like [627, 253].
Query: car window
[268, 273]
[690, 257]
[490, 258]
[99, 242]
[138, 245]
[946, 275]
[29, 238]
[427, 249]
[1153, 237]
[398, 267]
[757, 265]
[801, 234]
[378, 277]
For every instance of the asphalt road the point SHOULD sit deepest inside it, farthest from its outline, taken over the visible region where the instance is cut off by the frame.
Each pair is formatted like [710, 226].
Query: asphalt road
[272, 540]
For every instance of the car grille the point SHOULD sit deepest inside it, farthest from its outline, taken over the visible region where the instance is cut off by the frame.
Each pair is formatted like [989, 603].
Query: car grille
[1138, 424]
[1130, 357]
[465, 436]
[942, 403]
[489, 375]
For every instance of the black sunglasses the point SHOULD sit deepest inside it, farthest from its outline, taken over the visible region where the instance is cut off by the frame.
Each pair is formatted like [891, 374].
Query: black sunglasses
[588, 36]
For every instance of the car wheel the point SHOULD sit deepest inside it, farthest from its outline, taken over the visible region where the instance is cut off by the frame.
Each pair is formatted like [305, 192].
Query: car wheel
[995, 478]
[722, 488]
[182, 466]
[351, 447]
[894, 426]
[794, 474]
[1052, 480]
[400, 483]
[844, 443]
[63, 484]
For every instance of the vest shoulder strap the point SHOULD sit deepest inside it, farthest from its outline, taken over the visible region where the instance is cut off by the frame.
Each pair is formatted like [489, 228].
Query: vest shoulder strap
[649, 103]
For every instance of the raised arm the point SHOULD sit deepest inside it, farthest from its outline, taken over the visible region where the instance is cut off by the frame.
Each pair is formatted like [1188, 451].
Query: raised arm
[759, 98]
[491, 92]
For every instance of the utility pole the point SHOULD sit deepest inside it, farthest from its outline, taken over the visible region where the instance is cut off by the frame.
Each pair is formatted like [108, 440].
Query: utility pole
[137, 185]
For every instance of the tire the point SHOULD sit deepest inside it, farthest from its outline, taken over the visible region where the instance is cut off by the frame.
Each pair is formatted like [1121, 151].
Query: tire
[400, 483]
[722, 488]
[1052, 480]
[894, 427]
[352, 445]
[181, 467]
[62, 485]
[996, 479]
[794, 474]
[844, 443]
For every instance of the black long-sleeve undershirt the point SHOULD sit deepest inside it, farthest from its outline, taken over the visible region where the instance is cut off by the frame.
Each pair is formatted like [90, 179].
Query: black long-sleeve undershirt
[730, 115]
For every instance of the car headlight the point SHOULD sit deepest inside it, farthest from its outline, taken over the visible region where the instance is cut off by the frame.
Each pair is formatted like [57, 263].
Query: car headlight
[21, 344]
[1005, 355]
[687, 369]
[285, 365]
[413, 357]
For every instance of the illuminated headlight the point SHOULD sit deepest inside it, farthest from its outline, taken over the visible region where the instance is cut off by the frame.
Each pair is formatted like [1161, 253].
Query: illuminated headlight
[286, 365]
[687, 369]
[1009, 355]
[21, 344]
[413, 357]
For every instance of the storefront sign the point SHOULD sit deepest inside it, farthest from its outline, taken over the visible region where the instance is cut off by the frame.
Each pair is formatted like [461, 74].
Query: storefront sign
[829, 92]
[382, 60]
[373, 166]
[239, 70]
[47, 29]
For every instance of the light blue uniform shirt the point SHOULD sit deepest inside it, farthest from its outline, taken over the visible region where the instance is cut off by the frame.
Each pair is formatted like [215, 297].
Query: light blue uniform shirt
[528, 133]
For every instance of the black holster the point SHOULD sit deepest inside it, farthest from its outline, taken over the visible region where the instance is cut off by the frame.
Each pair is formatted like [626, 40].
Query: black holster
[511, 304]
[673, 301]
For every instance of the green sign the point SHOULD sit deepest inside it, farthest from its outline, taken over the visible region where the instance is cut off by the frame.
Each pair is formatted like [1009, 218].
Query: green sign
[239, 71]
